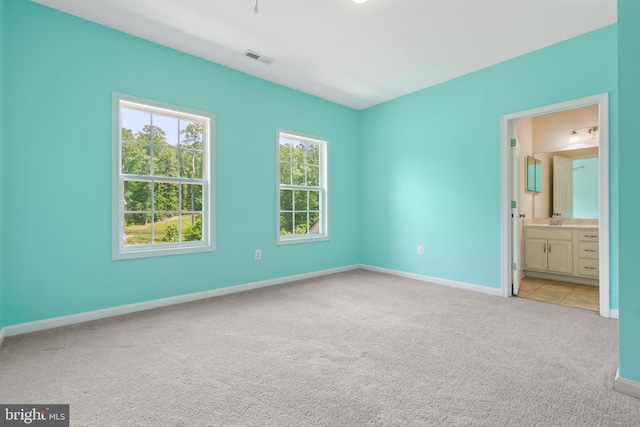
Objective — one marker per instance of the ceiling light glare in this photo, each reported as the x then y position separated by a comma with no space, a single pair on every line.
359,1
574,137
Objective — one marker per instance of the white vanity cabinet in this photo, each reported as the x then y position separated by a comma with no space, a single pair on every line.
562,253
549,250
588,252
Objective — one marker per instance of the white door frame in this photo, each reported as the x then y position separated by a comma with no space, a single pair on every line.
602,100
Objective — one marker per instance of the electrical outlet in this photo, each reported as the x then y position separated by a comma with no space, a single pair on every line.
258,254
420,250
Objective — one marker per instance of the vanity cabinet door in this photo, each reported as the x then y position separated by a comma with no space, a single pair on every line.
535,254
560,256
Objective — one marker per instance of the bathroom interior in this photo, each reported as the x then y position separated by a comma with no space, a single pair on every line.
559,207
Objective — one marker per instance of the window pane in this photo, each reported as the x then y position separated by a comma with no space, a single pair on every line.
301,200
313,154
191,197
286,200
301,225
314,223
166,230
137,229
285,173
137,196
133,122
191,227
135,159
298,175
155,134
313,176
166,129
165,161
297,152
162,181
314,200
165,198
301,169
307,147
191,164
191,134
286,223
285,150
127,135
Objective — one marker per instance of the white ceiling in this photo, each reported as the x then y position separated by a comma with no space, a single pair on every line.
357,55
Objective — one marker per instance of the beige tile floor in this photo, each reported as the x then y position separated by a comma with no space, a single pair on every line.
570,294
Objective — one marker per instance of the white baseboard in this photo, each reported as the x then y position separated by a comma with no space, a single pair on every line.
436,280
614,314
2,335
623,385
56,322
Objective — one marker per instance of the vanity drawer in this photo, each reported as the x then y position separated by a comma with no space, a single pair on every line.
588,250
588,267
548,233
588,235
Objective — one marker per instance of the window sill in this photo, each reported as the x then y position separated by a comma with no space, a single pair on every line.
305,239
132,253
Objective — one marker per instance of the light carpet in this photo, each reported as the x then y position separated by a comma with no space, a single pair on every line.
351,349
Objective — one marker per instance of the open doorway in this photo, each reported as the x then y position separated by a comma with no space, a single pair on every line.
556,203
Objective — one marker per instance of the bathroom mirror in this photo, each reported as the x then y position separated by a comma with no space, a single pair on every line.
569,184
534,174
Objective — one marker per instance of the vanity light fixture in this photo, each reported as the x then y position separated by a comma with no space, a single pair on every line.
359,1
574,136
593,132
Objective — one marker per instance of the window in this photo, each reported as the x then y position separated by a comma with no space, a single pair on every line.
163,199
302,188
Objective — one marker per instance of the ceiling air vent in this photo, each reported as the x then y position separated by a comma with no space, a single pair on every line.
258,57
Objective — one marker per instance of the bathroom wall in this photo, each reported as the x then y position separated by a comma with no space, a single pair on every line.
551,132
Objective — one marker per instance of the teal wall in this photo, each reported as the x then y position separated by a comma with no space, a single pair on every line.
585,180
2,298
629,71
423,169
62,72
432,159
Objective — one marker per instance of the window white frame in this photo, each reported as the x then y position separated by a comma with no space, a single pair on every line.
207,244
323,188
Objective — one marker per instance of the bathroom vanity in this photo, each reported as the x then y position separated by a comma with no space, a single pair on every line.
568,253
